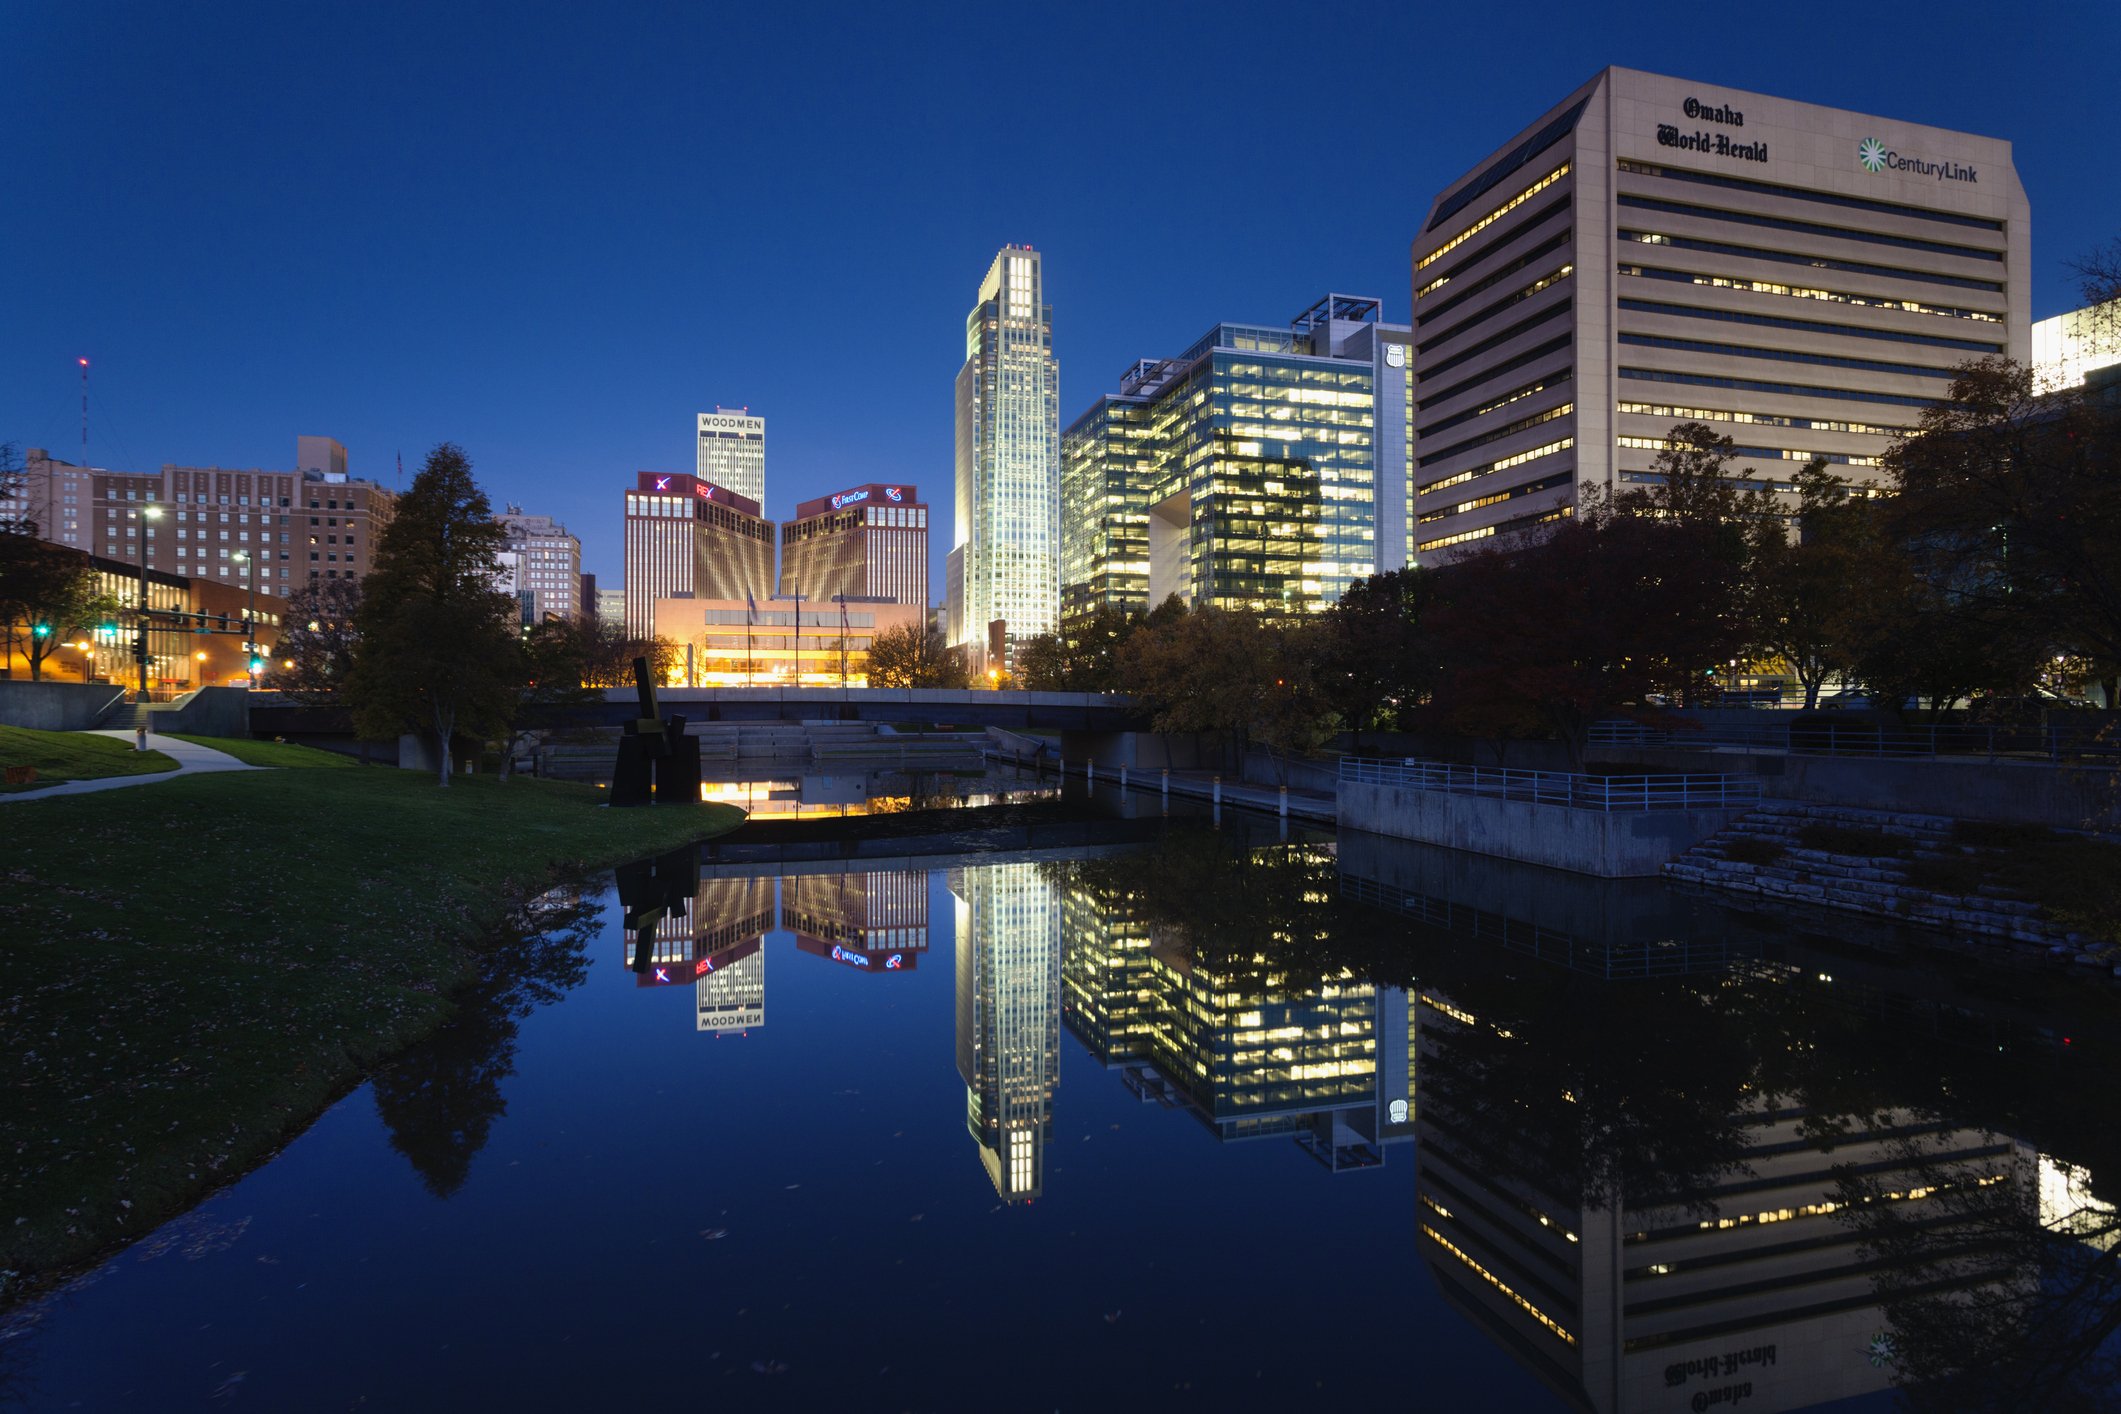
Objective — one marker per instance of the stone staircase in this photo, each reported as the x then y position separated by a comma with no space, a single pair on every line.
1875,884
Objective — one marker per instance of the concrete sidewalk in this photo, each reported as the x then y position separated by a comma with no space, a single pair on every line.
191,759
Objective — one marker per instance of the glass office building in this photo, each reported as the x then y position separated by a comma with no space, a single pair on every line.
1004,565
1265,468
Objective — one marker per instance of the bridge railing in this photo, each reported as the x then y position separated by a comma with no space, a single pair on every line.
1666,791
2088,742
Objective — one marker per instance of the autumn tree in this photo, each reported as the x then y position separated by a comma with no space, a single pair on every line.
317,638
1810,583
437,647
1225,673
914,655
1599,616
1082,657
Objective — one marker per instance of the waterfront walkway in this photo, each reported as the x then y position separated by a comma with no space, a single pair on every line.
191,758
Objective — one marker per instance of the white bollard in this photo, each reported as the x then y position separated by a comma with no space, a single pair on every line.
1218,792
1284,802
1089,770
1167,782
1123,778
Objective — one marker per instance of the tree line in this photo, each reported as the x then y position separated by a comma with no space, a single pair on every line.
1979,568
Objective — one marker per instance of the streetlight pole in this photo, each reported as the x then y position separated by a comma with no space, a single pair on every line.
149,513
250,622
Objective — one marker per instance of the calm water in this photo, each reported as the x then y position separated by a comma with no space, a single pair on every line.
1195,1121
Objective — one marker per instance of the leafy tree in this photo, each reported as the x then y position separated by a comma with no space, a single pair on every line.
607,652
1809,592
1082,657
913,655
2008,506
317,636
437,647
1228,673
1369,652
1601,616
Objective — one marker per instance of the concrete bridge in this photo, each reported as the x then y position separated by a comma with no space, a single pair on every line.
1033,711
1098,714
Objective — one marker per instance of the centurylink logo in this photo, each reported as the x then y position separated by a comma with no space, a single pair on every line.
1877,157
1871,153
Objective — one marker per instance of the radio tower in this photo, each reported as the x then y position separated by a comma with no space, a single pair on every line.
84,412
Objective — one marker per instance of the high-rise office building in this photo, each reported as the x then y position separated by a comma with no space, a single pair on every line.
730,920
548,563
1008,1018
1265,468
611,606
866,542
691,539
732,451
1654,250
1004,562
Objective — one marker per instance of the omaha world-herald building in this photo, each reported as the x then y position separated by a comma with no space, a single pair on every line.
1653,250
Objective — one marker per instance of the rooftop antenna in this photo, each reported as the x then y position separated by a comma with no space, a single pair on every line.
84,412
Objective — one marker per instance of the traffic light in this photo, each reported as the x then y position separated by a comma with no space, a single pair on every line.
41,630
257,665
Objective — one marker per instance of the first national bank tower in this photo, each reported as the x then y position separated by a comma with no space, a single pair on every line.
1655,250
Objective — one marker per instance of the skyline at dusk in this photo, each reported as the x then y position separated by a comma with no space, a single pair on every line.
556,242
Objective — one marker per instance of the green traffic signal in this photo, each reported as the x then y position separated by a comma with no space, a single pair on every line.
41,630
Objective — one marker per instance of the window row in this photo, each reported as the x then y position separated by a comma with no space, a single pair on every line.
1480,376
1473,473
1809,228
1496,276
1772,454
1652,341
1545,282
1808,326
1765,419
1493,216
1537,385
1544,483
1822,198
1499,338
1520,425
1815,262
1770,287
1793,390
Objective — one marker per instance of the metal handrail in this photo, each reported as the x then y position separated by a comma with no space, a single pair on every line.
1662,791
1816,738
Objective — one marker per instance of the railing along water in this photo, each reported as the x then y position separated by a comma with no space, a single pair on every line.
1668,791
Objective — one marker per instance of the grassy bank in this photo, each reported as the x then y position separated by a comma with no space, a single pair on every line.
194,968
269,753
74,756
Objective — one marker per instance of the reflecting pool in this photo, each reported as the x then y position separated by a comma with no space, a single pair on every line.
1163,1116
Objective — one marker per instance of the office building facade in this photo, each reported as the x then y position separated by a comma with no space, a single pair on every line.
1655,250
732,451
548,564
868,542
873,921
691,539
283,528
1265,468
2069,348
773,641
1004,563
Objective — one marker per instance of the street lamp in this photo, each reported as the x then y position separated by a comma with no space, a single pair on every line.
140,645
250,621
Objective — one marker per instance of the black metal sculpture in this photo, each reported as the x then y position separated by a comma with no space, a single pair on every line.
658,763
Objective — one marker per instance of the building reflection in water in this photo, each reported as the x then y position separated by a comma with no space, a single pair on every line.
1008,922
1734,1272
871,922
1229,1034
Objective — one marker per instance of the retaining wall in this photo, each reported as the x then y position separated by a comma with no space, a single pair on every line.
1612,845
59,706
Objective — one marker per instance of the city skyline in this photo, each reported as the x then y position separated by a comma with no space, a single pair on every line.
558,378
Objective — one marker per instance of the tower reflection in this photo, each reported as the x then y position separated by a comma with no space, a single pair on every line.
1008,1018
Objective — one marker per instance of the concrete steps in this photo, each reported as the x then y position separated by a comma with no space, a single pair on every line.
1876,884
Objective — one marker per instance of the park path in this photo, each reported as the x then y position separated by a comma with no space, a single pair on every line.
191,758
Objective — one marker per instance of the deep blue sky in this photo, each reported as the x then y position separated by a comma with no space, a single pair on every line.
554,233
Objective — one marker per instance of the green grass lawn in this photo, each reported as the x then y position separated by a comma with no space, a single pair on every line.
193,972
269,753
74,756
